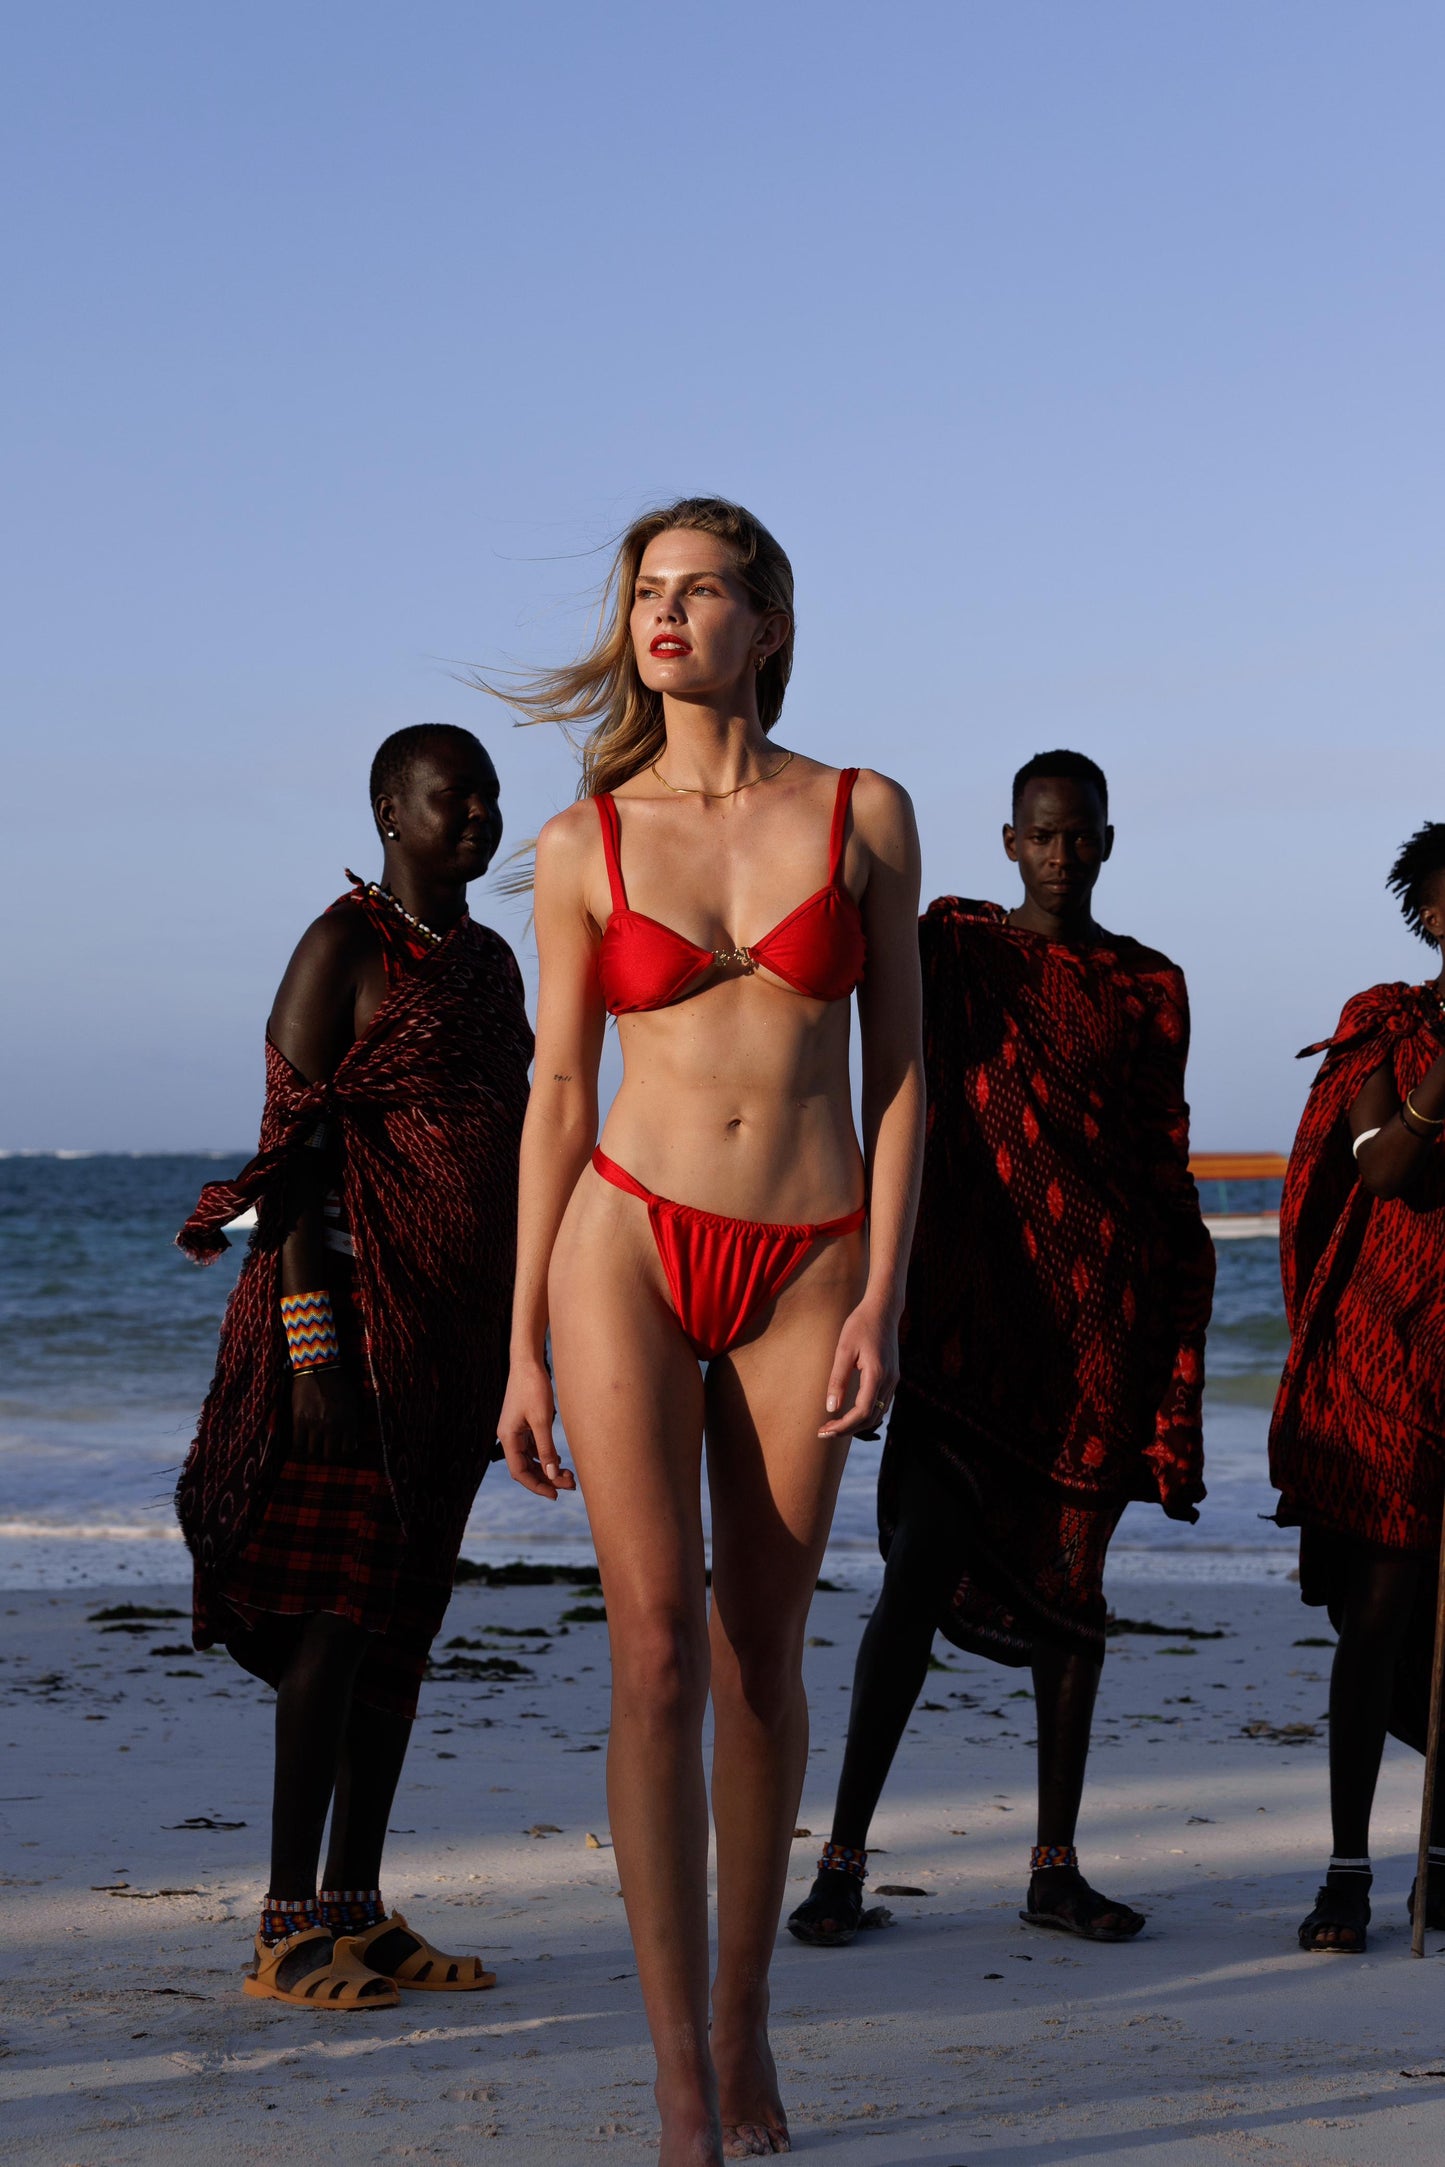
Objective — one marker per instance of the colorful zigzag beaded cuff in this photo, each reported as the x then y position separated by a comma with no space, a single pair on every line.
310,1331
1044,1855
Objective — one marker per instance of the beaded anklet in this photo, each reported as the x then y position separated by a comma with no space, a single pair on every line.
283,1916
1344,1871
351,1911
1045,1855
843,1858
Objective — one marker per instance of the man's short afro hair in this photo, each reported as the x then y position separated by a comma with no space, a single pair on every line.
396,754
1414,870
1067,766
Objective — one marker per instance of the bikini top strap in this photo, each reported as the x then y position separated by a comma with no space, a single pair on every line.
846,781
612,846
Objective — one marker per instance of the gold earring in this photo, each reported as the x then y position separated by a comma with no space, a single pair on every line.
760,661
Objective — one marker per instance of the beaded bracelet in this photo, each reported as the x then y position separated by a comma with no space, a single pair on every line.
310,1331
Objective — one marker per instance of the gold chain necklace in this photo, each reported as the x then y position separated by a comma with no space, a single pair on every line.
683,791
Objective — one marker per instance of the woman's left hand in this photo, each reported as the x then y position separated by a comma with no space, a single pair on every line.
867,1352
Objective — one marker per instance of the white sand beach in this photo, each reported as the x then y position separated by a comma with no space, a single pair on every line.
134,1781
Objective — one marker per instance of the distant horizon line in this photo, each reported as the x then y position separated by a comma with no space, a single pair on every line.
242,1151
115,1151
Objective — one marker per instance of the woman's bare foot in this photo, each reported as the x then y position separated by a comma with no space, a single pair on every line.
691,2136
754,2125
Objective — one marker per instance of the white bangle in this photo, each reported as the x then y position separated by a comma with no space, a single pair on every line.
1363,1138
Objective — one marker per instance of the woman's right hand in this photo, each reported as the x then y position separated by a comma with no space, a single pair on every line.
525,1431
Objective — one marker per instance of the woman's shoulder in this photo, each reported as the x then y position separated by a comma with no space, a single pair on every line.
575,821
869,791
340,936
876,793
486,941
566,839
498,960
883,817
333,954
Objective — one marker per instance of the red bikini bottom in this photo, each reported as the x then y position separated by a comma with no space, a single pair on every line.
721,1271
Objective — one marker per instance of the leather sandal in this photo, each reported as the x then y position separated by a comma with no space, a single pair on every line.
312,1970
400,1953
1338,1910
1078,1909
831,1913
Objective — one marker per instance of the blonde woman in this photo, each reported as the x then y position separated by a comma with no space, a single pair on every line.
727,1265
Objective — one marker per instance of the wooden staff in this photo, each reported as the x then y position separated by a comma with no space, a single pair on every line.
1432,1754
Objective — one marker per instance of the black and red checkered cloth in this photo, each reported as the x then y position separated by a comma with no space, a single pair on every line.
424,1116
329,1539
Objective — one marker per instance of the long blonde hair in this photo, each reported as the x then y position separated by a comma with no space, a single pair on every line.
603,693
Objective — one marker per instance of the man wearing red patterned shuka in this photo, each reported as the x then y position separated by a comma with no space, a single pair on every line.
363,1356
1357,1446
1053,1344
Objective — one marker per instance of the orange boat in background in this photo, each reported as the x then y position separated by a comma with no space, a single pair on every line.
1228,1216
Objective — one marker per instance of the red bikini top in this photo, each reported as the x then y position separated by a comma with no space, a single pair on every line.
818,949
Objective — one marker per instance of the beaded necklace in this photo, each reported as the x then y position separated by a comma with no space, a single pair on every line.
384,895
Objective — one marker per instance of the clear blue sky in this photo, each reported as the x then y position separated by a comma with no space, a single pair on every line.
1086,355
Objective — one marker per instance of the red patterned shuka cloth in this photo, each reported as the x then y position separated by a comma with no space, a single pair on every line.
423,1118
1357,1443
1061,1278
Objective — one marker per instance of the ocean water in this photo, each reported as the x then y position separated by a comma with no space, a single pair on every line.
108,1334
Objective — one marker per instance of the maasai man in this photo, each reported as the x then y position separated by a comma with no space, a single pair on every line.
363,1355
1053,1345
1357,1446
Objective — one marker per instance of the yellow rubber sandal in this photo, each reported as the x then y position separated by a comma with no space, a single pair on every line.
309,1970
399,1952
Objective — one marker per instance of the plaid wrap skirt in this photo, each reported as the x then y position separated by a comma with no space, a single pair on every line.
329,1539
1025,1562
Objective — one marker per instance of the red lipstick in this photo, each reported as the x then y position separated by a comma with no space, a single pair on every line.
668,644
